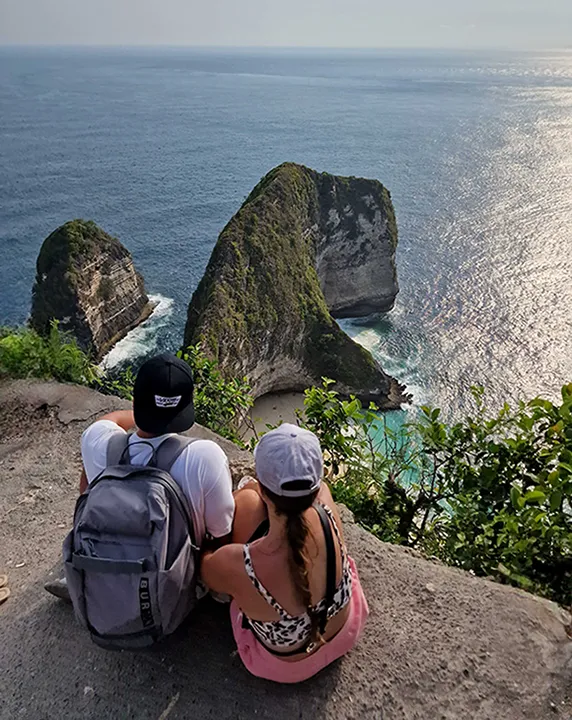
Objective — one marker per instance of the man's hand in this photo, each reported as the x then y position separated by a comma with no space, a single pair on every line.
83,482
210,544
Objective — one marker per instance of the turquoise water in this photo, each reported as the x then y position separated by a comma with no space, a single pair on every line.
161,147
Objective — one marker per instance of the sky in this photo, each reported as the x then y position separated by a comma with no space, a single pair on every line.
309,23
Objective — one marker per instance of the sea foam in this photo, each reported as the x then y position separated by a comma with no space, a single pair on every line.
143,339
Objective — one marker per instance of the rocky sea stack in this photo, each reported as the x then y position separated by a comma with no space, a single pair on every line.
304,248
86,280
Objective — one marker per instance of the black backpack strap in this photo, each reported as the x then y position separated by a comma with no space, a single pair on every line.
330,565
169,451
116,447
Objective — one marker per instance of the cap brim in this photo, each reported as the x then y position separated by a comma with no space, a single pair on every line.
178,423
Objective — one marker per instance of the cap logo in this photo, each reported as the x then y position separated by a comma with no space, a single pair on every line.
167,402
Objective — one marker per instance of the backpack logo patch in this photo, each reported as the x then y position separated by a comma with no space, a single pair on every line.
145,603
167,402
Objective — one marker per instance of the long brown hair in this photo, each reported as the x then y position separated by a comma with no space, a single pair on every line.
297,531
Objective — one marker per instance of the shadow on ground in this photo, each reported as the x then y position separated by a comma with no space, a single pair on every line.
55,671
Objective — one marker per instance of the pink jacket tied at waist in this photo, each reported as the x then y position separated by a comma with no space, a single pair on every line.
264,664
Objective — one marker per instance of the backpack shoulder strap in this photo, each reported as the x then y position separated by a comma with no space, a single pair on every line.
170,450
118,444
330,564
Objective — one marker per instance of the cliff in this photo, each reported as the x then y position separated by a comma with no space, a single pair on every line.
86,280
440,644
355,241
303,248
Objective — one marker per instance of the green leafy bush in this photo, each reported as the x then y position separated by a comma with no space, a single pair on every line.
24,353
507,479
491,493
220,404
367,462
112,382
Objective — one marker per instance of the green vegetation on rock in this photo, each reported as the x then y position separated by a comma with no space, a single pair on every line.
85,280
259,304
62,257
221,404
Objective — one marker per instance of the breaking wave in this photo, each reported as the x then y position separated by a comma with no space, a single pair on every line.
142,340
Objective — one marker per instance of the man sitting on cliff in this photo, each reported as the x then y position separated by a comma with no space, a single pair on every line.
163,406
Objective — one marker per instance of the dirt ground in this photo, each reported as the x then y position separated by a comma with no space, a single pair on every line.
440,644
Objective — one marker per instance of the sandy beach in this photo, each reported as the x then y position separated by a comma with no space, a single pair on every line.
275,408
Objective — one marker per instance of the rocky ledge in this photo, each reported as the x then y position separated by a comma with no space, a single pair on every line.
304,248
86,280
440,644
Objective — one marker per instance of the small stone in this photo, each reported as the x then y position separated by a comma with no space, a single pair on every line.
430,588
20,564
88,691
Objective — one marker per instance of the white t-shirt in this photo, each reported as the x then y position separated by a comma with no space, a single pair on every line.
201,471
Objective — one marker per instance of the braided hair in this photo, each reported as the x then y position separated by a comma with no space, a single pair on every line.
297,532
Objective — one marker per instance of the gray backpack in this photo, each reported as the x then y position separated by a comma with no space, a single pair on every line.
131,559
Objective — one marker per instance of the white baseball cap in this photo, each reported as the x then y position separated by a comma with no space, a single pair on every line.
289,454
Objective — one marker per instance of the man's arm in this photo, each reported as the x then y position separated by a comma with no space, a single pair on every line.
218,569
209,460
124,418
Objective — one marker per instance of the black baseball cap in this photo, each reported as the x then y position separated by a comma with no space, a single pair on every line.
163,396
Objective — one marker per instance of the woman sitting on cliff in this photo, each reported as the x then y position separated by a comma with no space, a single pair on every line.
297,601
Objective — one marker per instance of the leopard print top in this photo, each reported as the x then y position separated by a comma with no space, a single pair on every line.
293,630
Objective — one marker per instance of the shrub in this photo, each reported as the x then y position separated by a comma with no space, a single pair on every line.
220,404
491,493
508,483
24,353
115,382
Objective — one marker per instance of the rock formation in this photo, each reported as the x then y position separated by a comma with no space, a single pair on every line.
355,240
439,643
86,280
304,247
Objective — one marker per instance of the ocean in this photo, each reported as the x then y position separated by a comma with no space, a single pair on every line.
161,146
